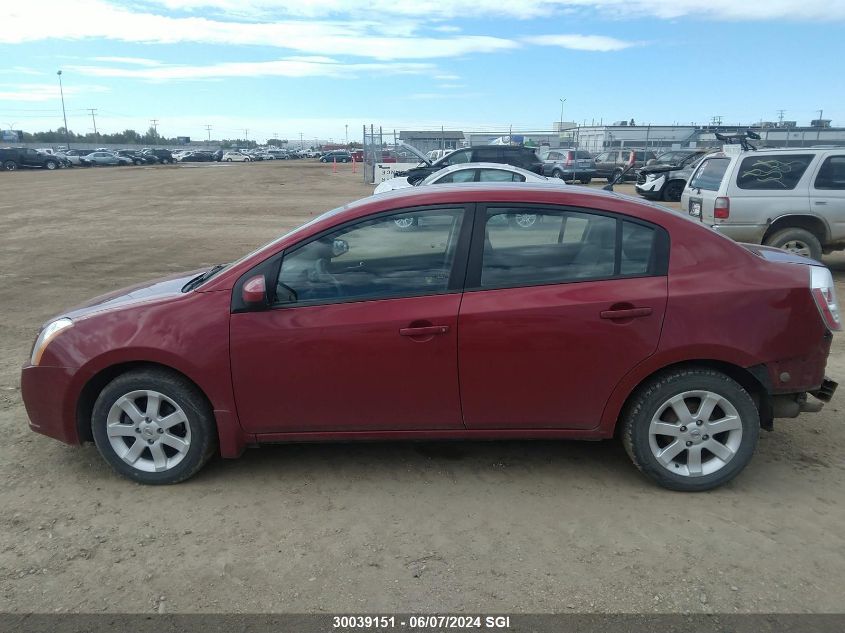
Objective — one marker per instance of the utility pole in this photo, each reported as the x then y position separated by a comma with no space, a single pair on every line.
780,117
300,140
64,114
246,135
208,129
154,124
93,111
716,120
347,134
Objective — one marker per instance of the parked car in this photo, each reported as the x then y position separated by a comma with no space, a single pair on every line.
469,173
136,157
792,199
666,177
515,155
99,159
587,327
338,155
611,164
235,157
278,154
164,156
74,155
64,161
13,158
570,164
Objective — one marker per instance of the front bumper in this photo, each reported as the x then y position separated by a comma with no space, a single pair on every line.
48,396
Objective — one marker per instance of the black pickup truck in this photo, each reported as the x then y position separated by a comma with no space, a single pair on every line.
12,158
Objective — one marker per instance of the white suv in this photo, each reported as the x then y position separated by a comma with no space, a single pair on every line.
792,199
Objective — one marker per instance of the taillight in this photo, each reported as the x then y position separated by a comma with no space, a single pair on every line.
824,293
568,159
722,208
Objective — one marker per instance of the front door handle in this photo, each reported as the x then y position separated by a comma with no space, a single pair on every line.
427,330
625,313
821,201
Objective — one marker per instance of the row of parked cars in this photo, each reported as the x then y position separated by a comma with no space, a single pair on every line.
13,158
791,199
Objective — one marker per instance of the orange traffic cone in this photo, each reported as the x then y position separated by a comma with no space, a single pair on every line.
334,165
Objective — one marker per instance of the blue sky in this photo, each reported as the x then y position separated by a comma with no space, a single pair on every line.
291,66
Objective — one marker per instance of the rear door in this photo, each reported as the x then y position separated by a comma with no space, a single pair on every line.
703,188
556,314
490,154
827,193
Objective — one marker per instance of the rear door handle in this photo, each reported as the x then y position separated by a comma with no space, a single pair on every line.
626,313
821,201
428,330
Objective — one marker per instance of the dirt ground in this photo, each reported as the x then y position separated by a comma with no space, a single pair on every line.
505,527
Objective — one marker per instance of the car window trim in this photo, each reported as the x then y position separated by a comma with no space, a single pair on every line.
271,267
658,264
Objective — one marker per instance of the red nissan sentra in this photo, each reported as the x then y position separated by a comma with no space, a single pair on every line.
497,311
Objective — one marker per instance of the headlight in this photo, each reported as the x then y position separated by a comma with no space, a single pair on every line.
50,331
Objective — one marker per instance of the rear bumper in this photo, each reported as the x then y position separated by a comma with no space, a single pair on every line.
48,398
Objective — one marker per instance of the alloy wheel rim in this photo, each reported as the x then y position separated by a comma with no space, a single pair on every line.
525,219
695,433
798,247
148,430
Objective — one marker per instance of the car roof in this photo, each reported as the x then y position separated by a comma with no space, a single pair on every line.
480,165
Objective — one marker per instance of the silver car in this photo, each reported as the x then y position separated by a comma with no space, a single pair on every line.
792,199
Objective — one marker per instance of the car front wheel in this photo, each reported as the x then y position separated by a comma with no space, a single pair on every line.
691,429
673,190
153,426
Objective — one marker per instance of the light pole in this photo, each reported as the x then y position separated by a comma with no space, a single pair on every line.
64,114
347,134
560,127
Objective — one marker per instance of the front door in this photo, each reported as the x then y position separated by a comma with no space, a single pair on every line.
827,195
362,333
555,315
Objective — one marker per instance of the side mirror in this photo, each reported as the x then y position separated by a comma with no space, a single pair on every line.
339,247
254,291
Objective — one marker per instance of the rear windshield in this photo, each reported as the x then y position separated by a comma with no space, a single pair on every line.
772,172
709,175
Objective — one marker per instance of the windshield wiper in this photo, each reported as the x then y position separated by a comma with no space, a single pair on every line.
208,274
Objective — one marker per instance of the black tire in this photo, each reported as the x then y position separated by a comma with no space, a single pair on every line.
673,190
586,181
653,395
139,162
787,238
203,431
557,173
51,165
10,165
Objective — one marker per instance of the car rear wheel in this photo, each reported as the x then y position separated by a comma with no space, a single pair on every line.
153,426
557,173
585,181
673,190
798,241
51,165
691,429
10,165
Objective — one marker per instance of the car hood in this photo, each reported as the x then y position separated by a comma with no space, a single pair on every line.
400,182
415,152
163,288
773,254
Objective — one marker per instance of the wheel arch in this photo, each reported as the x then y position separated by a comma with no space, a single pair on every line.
814,224
96,383
754,379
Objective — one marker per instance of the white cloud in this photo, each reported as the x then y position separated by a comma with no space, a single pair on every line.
43,92
794,10
578,42
447,77
134,61
288,67
59,19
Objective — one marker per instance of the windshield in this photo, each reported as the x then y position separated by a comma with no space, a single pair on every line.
710,173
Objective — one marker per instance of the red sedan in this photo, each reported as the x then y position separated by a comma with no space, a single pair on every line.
608,315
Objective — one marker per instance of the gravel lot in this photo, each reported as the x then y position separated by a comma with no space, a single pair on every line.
510,526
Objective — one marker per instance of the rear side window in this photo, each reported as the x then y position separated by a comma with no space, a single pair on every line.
831,174
537,247
499,175
454,159
710,173
486,155
581,154
772,172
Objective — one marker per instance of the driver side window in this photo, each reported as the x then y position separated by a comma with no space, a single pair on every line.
403,254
